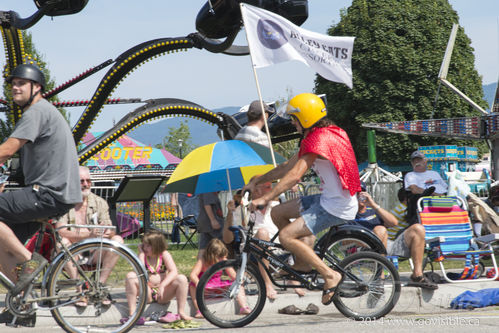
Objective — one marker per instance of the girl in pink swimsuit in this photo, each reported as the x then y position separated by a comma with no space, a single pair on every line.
215,252
164,281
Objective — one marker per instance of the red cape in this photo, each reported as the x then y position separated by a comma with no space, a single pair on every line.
333,143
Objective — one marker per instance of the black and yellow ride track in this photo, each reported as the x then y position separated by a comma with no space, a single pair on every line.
121,67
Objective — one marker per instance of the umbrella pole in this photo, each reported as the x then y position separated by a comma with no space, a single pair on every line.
227,170
228,181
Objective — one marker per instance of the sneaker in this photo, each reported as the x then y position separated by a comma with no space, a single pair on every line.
7,318
376,291
28,270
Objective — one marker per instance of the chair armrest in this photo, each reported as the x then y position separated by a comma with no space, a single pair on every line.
439,239
488,238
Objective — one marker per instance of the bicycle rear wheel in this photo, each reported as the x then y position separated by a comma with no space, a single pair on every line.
226,304
98,315
371,288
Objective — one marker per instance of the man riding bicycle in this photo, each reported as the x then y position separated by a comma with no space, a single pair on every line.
50,167
326,149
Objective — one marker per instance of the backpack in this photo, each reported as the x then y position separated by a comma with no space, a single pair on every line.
175,235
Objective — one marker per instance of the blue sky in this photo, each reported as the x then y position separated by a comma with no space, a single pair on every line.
104,29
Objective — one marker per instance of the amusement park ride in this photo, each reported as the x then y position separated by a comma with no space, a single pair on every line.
217,23
217,19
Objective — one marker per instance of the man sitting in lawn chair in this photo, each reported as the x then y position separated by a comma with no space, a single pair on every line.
92,211
409,242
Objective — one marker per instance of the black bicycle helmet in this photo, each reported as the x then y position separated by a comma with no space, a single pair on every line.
28,72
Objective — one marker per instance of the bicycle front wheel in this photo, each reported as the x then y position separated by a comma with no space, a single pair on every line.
101,286
370,288
226,303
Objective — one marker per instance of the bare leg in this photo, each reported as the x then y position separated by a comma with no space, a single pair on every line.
380,231
281,216
109,260
178,289
290,238
132,290
263,234
414,238
13,252
192,292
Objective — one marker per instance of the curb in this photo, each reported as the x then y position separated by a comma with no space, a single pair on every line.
413,300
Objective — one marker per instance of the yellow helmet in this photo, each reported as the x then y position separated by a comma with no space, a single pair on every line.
307,108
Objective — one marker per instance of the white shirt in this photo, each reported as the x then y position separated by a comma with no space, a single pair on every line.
334,199
426,179
252,134
265,221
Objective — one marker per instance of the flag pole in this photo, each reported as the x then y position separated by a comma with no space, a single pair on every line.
260,96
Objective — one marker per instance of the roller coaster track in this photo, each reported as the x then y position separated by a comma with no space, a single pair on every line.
13,45
126,63
121,67
153,109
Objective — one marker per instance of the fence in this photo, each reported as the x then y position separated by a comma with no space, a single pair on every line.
163,212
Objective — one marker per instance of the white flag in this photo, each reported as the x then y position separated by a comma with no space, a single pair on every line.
273,39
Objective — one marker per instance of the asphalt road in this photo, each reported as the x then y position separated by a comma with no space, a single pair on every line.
417,310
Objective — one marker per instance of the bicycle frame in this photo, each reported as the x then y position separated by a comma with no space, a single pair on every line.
261,249
66,251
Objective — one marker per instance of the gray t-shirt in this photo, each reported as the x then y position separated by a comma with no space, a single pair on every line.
211,199
49,158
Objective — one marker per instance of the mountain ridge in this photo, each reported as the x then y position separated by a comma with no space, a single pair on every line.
203,133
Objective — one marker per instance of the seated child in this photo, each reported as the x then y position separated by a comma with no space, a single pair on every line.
215,252
164,281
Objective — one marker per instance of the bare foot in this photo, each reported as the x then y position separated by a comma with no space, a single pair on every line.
184,316
329,285
245,310
299,291
198,315
271,293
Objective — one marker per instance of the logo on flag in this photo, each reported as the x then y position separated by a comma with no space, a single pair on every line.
270,34
273,39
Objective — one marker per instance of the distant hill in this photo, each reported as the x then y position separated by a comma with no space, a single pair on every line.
202,133
489,91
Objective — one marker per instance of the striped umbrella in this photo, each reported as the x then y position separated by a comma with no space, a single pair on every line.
220,166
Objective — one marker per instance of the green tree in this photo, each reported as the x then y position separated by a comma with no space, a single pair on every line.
178,141
398,50
6,126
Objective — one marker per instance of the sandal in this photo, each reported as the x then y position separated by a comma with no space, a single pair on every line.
141,321
422,282
331,290
290,310
198,314
169,318
312,309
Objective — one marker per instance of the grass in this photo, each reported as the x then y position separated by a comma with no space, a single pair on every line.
184,258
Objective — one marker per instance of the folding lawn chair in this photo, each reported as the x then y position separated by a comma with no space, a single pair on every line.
188,226
449,236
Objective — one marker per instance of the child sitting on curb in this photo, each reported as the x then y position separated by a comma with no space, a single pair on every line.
164,281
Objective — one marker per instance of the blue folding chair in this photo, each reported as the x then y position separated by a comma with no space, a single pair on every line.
449,236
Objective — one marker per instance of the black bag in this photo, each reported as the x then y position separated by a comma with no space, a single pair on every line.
175,235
